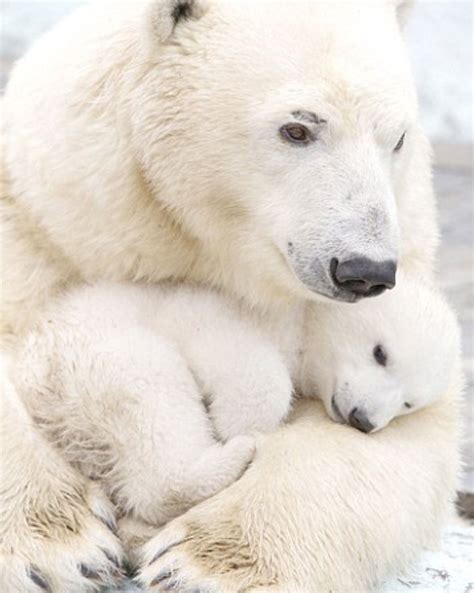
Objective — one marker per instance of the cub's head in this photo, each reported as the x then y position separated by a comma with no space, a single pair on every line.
276,132
374,361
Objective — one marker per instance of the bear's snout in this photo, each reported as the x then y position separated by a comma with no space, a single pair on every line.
363,277
358,419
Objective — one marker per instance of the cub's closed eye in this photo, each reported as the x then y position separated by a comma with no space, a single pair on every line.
407,405
380,355
400,143
296,134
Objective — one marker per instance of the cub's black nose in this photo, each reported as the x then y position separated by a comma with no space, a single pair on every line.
362,276
358,419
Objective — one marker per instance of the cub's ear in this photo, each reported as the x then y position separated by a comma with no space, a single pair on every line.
166,15
403,9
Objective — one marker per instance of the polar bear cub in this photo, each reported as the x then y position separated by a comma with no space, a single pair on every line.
157,390
381,358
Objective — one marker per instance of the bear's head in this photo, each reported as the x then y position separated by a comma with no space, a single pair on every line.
276,133
377,360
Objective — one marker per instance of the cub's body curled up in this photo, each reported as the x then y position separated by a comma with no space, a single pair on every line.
159,391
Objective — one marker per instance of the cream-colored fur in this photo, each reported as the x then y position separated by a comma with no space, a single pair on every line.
188,178
345,530
140,150
126,379
51,516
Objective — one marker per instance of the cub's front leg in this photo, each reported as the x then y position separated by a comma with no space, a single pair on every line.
242,375
56,528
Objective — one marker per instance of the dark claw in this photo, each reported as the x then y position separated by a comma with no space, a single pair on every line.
170,585
162,576
131,571
89,573
112,558
109,523
119,574
38,579
175,585
163,551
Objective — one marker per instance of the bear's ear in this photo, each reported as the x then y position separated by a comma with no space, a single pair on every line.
166,15
403,9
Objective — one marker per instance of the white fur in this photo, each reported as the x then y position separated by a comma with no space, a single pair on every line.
136,150
419,335
121,373
156,142
49,512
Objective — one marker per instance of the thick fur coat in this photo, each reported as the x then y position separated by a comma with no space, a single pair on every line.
149,142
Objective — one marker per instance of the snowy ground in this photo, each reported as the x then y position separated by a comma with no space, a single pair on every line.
449,570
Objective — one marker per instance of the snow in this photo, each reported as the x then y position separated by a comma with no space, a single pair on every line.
447,570
440,43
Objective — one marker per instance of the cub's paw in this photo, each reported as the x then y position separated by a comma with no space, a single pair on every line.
67,546
203,551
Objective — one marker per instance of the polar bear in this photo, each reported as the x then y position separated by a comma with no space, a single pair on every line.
192,356
176,140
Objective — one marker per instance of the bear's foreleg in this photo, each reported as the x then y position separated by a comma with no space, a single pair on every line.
323,508
56,527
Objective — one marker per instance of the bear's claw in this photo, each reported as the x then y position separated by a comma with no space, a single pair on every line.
80,563
38,579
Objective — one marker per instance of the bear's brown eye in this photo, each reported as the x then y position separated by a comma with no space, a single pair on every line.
400,142
407,405
296,134
380,355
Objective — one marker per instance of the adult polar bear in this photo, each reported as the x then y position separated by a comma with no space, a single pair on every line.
255,147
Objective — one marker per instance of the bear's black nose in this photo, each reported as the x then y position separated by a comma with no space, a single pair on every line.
362,276
358,419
